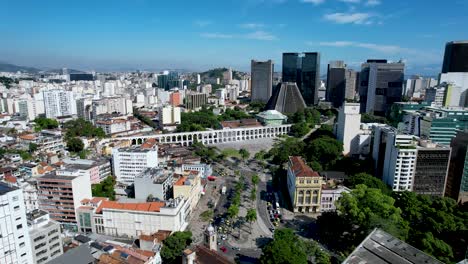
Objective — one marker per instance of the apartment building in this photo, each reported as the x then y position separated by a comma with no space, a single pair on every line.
44,234
154,183
15,246
60,195
129,162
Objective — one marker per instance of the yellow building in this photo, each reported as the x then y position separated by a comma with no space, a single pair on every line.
304,185
189,186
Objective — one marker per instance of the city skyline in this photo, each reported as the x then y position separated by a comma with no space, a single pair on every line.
196,35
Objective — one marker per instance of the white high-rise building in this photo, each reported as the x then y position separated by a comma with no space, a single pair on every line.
59,102
129,162
198,79
348,128
15,246
395,156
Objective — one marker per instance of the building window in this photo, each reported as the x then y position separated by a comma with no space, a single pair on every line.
15,198
16,208
21,244
19,226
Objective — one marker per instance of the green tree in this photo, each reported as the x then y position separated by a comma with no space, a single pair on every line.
82,128
367,208
437,225
315,166
285,248
282,149
75,144
255,179
32,147
299,130
260,155
174,245
45,123
244,153
253,194
251,217
368,180
233,211
105,188
325,150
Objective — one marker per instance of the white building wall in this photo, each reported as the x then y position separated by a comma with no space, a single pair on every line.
349,121
81,187
15,246
459,81
128,164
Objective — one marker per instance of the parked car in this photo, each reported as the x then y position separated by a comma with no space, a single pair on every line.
223,249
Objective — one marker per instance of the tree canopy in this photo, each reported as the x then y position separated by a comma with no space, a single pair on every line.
358,213
368,180
82,128
438,226
75,144
282,149
286,247
45,123
299,129
324,150
244,153
104,188
198,121
233,114
174,245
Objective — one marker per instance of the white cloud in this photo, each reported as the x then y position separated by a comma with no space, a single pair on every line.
349,18
260,35
256,35
203,23
216,35
315,2
373,2
252,25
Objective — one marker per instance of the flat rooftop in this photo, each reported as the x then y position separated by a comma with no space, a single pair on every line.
6,188
53,176
380,247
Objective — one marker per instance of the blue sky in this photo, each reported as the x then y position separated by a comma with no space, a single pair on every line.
198,35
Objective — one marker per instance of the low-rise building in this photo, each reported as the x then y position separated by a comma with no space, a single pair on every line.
271,118
189,187
120,219
114,126
304,185
205,169
44,234
330,195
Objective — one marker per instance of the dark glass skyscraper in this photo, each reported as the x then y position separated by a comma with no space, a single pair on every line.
456,57
336,83
291,67
304,70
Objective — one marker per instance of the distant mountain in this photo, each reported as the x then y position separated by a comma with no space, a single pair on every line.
6,67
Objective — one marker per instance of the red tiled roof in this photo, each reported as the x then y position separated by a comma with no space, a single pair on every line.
145,207
180,181
300,168
11,179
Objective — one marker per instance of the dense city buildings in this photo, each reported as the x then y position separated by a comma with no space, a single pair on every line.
15,246
381,85
195,100
262,80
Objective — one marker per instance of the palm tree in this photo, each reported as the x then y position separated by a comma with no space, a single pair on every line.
251,217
